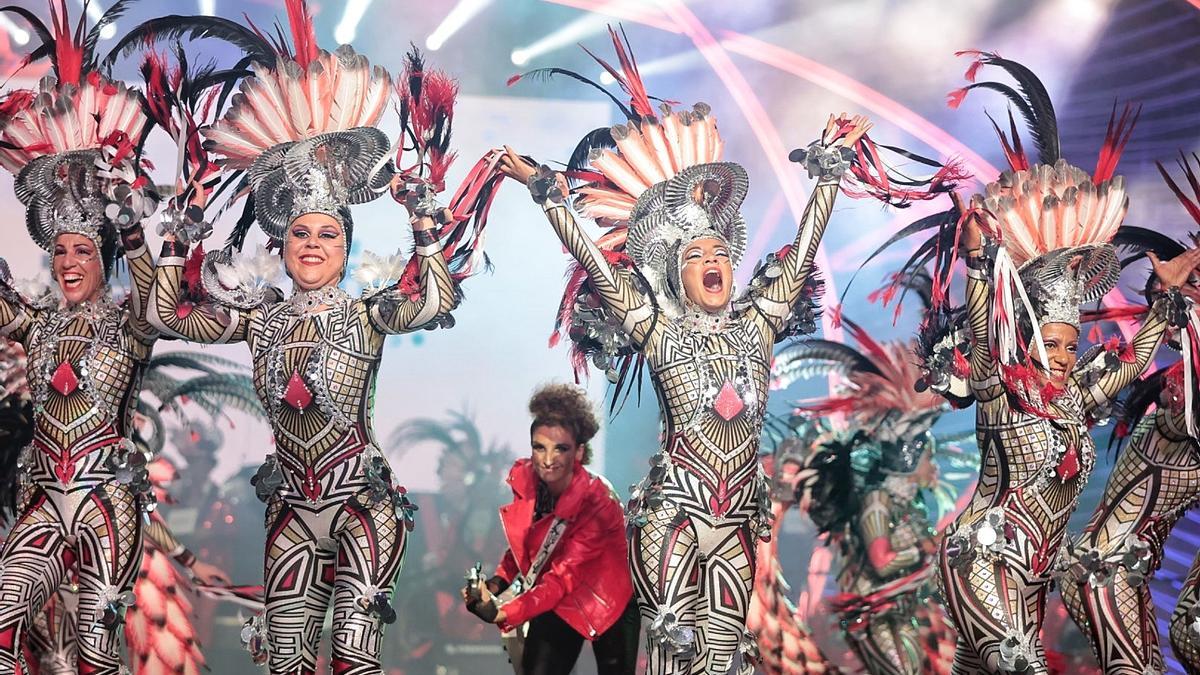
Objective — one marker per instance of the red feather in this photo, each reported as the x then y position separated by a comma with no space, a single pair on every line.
68,48
304,35
628,77
1191,205
1115,139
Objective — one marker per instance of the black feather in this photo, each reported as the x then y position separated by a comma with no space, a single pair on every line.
115,12
1044,124
237,237
176,27
827,350
596,138
937,220
546,74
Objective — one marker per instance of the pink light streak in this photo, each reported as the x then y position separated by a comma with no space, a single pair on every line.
853,90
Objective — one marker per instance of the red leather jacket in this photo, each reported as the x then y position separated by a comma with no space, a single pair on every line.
586,581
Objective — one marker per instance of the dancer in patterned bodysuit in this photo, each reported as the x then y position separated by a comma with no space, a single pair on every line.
696,517
336,524
1185,621
1157,477
75,145
1032,404
1106,570
864,486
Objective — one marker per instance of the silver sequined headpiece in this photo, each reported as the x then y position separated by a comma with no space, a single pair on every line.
667,217
1058,288
63,193
323,174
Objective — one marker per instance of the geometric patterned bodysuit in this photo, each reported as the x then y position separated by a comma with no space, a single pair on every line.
335,524
995,561
85,368
695,519
882,630
1104,586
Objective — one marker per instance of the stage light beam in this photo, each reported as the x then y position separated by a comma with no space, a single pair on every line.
458,17
19,35
347,28
208,7
94,12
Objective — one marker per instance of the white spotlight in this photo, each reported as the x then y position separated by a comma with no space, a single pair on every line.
606,78
458,17
347,28
94,12
571,33
208,7
19,35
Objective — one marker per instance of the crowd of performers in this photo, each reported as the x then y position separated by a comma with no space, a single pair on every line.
690,567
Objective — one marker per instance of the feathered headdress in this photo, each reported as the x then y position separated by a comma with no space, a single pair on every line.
75,141
1054,221
879,391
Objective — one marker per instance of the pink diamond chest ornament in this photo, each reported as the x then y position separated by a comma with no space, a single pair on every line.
728,403
297,394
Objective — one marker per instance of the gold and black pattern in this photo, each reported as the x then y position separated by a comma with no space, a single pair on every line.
1032,468
1156,477
315,374
693,560
1185,621
888,641
86,364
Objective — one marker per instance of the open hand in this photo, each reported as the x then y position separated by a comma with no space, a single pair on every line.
515,166
859,125
1176,271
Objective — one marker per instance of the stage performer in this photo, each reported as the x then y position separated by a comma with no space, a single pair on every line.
1106,571
1052,223
564,578
865,485
657,288
74,144
336,523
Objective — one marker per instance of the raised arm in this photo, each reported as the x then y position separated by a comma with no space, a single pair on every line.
197,323
615,286
393,312
15,316
781,294
874,527
1167,307
1145,345
141,280
985,375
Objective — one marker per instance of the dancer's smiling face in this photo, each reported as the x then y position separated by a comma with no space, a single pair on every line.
77,268
555,454
706,270
315,251
1061,341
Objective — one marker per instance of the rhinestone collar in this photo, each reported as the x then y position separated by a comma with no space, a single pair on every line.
304,302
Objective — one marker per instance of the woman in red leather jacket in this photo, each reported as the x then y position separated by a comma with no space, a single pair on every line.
571,519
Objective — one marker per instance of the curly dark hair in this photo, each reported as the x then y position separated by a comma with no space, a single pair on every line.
566,406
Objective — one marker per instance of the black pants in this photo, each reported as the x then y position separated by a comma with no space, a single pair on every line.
552,647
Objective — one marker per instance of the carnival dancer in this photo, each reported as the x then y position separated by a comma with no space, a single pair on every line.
74,144
657,289
336,523
1106,571
864,486
564,578
1052,223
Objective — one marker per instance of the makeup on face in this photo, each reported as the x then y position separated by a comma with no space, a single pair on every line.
707,273
554,454
315,251
77,268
